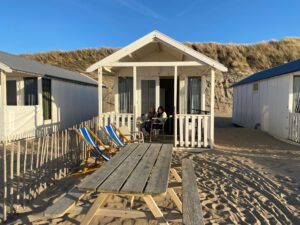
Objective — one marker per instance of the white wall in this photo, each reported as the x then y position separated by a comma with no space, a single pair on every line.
73,103
268,107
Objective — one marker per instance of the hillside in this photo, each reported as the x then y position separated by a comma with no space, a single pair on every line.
241,60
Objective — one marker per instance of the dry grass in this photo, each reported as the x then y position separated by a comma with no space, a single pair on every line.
241,60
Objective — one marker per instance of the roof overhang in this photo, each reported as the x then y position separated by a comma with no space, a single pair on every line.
156,36
5,68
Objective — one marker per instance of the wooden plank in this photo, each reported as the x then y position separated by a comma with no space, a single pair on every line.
158,181
65,203
139,177
4,182
187,130
97,204
92,181
159,216
193,132
199,131
116,180
192,212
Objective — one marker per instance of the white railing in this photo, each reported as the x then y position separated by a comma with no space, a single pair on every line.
294,127
192,131
119,119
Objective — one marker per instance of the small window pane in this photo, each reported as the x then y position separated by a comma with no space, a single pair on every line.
11,92
296,95
31,95
125,89
255,87
47,102
194,95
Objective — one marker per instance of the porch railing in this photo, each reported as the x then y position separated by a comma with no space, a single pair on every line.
119,119
192,131
294,127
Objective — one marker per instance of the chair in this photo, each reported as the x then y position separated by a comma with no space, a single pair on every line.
95,146
122,136
157,124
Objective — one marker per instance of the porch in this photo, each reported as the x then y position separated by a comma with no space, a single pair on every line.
158,71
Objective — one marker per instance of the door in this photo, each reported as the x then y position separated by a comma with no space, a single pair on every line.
148,94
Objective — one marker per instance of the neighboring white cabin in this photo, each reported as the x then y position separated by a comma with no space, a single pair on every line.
38,97
270,104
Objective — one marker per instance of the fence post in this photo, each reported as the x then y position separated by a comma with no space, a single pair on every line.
4,182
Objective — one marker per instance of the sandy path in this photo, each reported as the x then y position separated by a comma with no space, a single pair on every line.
251,178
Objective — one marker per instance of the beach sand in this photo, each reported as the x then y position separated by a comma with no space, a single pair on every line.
250,178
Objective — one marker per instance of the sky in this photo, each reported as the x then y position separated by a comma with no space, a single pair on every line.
30,26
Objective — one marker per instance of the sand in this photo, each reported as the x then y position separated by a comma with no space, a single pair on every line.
251,178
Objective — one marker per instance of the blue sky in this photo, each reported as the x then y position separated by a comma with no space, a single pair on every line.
28,26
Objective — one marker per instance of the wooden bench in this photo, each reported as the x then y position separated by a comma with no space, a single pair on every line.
191,207
62,205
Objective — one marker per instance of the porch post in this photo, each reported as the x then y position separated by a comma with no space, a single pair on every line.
3,88
203,87
212,107
175,104
100,102
134,98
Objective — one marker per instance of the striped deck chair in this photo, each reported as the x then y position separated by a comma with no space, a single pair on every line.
122,136
94,144
115,137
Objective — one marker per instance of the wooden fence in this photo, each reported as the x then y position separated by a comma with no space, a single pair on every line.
294,127
32,164
192,131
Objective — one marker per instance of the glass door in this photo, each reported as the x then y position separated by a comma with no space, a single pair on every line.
148,95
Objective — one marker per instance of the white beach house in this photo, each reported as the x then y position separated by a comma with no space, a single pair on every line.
36,96
157,70
270,100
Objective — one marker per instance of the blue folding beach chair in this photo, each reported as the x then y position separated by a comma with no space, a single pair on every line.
115,137
94,144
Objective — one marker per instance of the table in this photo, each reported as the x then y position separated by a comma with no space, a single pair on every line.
138,170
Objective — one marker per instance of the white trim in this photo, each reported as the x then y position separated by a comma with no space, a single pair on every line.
212,107
100,94
5,68
152,37
175,104
3,78
152,64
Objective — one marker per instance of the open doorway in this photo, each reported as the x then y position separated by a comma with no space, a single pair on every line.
167,101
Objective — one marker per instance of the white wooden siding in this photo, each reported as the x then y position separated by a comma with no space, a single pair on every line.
267,107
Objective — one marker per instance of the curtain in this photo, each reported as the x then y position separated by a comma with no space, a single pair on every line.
194,95
31,96
47,102
125,87
296,104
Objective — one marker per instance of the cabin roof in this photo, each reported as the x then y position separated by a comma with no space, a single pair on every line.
10,62
152,37
272,72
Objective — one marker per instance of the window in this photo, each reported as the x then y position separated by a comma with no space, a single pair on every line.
296,95
255,87
47,102
125,90
148,95
11,92
31,93
194,95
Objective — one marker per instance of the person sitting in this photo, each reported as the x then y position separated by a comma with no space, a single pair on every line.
161,117
146,125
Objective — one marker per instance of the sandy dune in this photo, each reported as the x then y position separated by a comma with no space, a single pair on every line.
251,178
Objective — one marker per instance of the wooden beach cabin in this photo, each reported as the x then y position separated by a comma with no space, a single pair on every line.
270,100
157,70
37,97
